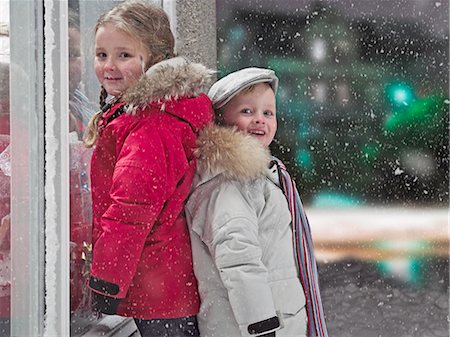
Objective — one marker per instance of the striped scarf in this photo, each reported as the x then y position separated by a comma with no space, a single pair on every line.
304,253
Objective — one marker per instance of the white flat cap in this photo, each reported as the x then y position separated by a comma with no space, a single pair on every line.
229,86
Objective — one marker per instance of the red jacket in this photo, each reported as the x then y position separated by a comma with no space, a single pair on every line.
141,173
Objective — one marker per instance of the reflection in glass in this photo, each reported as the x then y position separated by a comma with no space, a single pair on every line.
5,258
80,111
5,181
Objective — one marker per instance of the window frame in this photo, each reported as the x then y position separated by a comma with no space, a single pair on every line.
27,166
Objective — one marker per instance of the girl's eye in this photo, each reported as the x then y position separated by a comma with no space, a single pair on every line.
268,113
124,55
101,55
246,111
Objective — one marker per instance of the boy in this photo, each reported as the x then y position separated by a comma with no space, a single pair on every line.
241,227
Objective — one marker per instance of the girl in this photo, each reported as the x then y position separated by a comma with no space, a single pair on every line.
253,281
142,169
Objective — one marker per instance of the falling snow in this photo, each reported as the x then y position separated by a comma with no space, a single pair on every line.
363,120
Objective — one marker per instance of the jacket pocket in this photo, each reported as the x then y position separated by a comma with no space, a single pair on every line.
288,296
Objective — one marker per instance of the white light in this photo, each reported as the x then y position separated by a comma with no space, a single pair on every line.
319,50
400,95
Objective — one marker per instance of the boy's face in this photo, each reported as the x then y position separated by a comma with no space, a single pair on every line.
253,112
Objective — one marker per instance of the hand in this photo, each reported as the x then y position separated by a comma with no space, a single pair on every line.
271,324
105,304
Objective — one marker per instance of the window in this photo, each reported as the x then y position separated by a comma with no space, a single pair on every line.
45,209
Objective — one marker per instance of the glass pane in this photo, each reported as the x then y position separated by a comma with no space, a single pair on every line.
5,174
84,91
80,111
363,127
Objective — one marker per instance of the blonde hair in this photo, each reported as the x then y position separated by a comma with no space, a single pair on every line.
148,24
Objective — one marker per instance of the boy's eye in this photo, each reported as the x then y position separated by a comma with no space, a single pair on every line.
101,55
246,111
269,113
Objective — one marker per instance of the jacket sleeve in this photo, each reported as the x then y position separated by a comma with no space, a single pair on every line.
144,176
231,234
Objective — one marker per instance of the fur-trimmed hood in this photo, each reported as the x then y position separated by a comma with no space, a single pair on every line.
168,79
227,151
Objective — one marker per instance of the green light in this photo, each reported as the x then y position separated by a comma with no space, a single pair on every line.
403,268
400,94
335,199
304,158
370,151
419,114
236,34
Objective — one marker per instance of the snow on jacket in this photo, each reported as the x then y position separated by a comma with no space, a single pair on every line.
141,173
241,235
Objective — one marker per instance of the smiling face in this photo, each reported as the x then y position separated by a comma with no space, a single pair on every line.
119,59
254,112
74,59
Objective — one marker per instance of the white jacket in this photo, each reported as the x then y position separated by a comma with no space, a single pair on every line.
242,243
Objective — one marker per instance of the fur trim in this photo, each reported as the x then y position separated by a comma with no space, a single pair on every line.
172,78
231,152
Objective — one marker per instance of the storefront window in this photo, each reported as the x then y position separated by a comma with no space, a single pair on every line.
45,208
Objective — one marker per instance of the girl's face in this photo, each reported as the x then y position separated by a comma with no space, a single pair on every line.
253,112
119,59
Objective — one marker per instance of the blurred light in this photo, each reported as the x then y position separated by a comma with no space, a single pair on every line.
333,199
403,269
370,151
419,113
419,162
236,34
319,92
342,93
318,49
400,94
303,158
